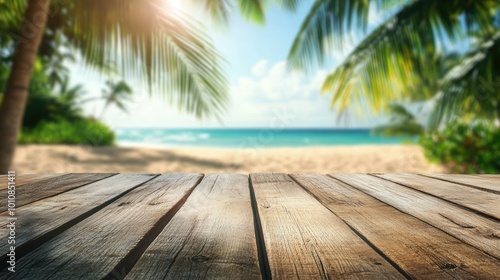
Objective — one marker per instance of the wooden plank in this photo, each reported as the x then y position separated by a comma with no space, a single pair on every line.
22,180
38,190
211,237
108,243
418,248
480,201
303,239
478,231
486,182
42,220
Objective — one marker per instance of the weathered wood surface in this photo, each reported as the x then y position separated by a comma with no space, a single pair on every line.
121,232
42,220
303,239
21,180
478,200
212,234
479,231
230,226
51,186
486,182
438,254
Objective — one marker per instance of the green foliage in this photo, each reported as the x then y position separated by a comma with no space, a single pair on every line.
117,93
56,118
394,61
81,132
159,46
42,104
402,123
465,148
47,108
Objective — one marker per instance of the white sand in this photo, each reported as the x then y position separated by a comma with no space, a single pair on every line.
347,159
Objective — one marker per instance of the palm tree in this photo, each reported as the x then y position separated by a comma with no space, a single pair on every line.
165,48
402,123
70,95
116,93
391,63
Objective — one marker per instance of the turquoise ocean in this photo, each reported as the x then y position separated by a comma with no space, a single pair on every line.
251,137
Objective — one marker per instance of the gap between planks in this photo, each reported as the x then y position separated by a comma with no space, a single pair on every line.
160,197
487,183
52,186
467,226
478,201
426,250
77,205
304,239
211,234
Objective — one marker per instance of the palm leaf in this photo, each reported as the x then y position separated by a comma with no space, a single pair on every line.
402,122
151,42
252,10
392,60
326,26
473,86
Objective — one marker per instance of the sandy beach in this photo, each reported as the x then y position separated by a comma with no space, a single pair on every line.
346,159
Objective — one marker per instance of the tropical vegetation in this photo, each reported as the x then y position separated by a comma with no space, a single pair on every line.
165,49
402,123
441,53
55,117
465,147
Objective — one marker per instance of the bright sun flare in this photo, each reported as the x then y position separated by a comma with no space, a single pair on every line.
176,4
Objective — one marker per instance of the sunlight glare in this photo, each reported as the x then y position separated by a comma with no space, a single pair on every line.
179,5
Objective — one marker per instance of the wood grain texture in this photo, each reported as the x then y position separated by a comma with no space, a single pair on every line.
42,220
22,180
484,202
211,237
48,187
305,240
419,249
486,182
106,243
478,231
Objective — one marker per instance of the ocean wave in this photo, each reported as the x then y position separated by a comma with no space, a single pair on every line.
180,137
204,136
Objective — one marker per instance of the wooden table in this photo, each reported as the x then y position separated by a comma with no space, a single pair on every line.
234,226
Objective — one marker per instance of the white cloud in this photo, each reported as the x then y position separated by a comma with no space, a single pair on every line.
260,68
256,100
277,98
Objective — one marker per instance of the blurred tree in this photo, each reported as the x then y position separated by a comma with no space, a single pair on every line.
149,40
116,93
402,123
391,64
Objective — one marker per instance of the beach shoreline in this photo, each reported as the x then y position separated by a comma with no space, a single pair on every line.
405,158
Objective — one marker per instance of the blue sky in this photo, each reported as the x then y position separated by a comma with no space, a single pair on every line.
262,91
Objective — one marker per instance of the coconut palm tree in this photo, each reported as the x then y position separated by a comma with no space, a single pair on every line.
391,64
402,123
116,93
149,40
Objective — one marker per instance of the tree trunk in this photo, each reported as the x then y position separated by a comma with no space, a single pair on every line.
16,90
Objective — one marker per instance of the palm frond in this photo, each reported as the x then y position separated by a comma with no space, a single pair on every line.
252,10
219,11
326,25
393,59
473,86
402,123
291,5
150,42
